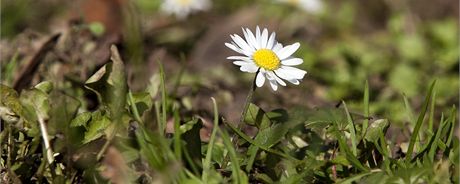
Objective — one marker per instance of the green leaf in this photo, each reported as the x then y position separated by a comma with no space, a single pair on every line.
36,103
341,159
143,102
188,125
256,116
96,128
266,138
45,86
373,132
96,82
81,119
10,100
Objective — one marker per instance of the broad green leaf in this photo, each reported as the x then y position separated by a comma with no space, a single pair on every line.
96,127
266,138
341,159
256,116
373,132
35,103
117,86
81,119
45,86
143,102
188,125
10,102
154,85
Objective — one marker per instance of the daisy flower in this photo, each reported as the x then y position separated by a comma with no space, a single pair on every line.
181,8
263,55
313,6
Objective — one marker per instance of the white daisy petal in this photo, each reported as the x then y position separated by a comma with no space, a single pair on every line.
258,42
271,41
234,48
260,79
284,75
240,63
241,43
295,73
277,79
250,67
287,51
240,58
277,47
292,61
264,38
252,39
248,39
273,85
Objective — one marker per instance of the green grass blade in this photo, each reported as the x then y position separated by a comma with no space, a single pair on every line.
452,119
366,109
162,124
236,174
409,111
133,107
350,157
351,127
177,135
431,115
435,144
357,177
419,123
207,160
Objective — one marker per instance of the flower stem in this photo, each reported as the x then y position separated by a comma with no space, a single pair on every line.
241,122
248,101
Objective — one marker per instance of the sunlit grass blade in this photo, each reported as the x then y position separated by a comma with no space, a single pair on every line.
212,139
434,145
419,123
357,177
236,174
162,123
177,135
453,121
366,109
351,128
350,157
133,107
431,115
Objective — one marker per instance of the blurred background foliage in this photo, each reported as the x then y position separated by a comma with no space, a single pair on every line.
399,46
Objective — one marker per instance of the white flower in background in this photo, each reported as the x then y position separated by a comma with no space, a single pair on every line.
181,8
267,57
312,6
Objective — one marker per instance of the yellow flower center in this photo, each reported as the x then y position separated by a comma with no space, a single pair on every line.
267,59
